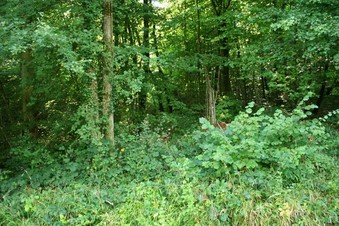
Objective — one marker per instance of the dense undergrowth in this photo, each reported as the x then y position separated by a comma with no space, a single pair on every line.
278,169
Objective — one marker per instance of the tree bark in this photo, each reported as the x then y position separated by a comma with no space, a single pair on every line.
210,100
106,74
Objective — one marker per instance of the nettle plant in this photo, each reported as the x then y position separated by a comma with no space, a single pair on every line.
285,142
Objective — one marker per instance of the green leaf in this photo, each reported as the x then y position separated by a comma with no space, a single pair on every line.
260,111
251,104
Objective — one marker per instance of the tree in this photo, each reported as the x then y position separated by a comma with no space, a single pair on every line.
107,69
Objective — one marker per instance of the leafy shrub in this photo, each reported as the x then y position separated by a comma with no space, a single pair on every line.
135,157
27,154
286,143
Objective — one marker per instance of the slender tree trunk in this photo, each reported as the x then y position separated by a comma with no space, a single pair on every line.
155,41
146,44
322,92
219,7
146,34
225,80
210,100
107,68
197,5
6,106
200,78
27,72
210,92
185,26
94,111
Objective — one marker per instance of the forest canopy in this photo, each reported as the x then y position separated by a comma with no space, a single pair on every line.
169,112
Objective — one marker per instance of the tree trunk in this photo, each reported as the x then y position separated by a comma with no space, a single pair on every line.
146,36
145,63
94,112
27,72
220,7
225,80
107,68
210,100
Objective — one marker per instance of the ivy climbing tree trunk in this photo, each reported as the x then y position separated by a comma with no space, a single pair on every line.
106,73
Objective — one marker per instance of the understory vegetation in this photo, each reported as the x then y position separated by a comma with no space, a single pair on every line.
277,169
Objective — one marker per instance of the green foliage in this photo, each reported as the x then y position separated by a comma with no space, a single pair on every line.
76,206
227,108
150,182
134,157
270,166
147,204
173,202
254,141
27,154
143,160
